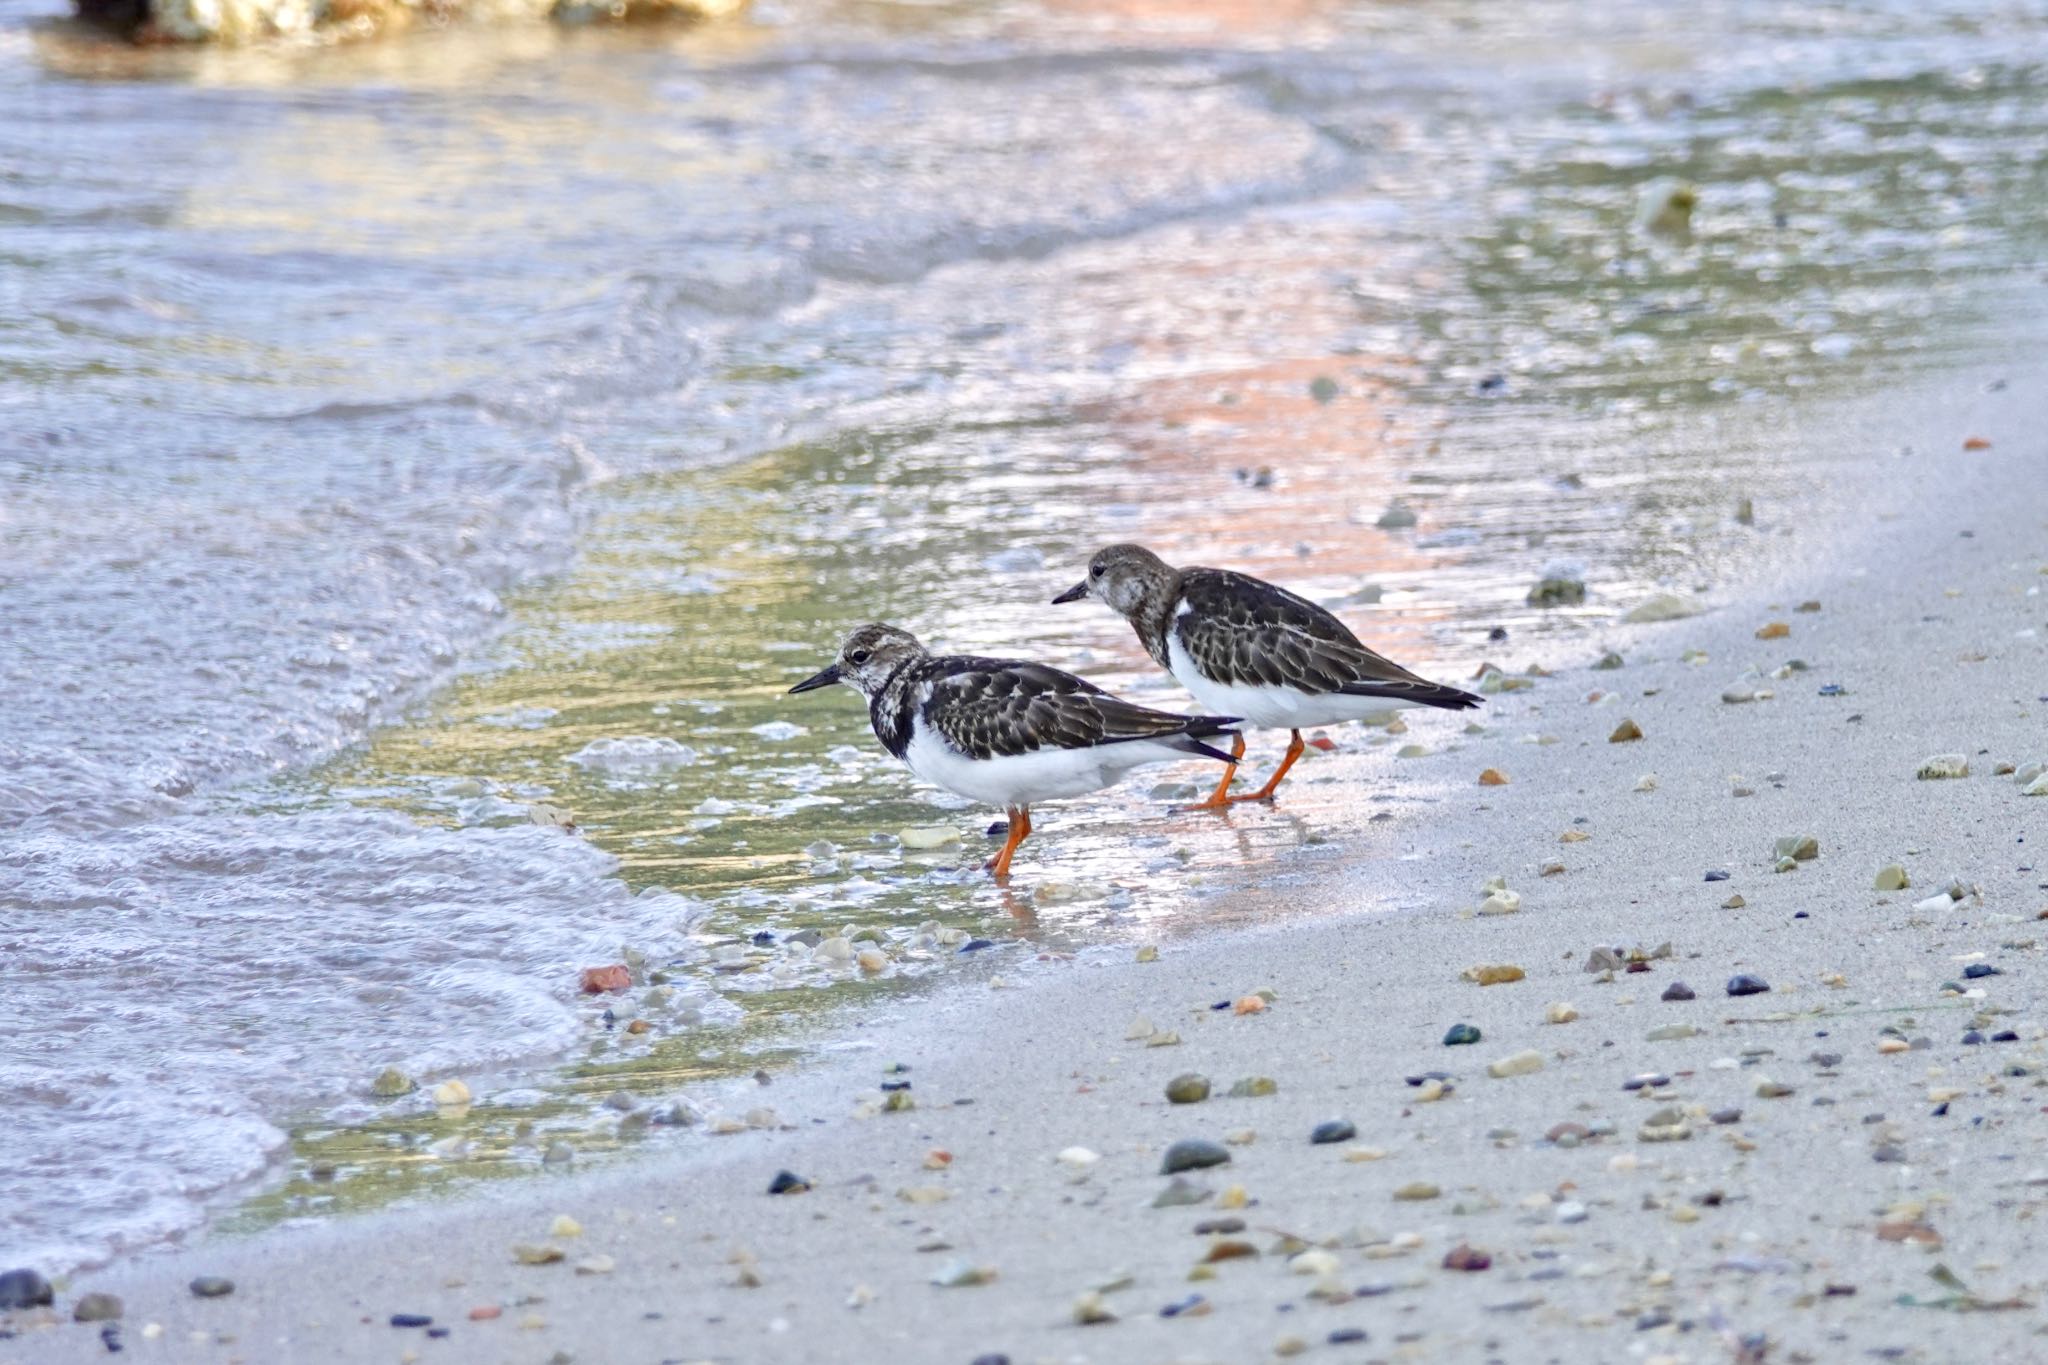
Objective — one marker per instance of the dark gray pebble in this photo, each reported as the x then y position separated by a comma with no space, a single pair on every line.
1192,1154
411,1320
1888,1153
24,1289
1649,1080
975,945
1725,1116
992,1358
1345,1335
2005,1035
1826,1060
1717,876
1209,1226
96,1308
1172,1310
1745,984
788,1182
1678,990
1428,1076
1460,1035
1334,1130
437,1333
1971,1038
1977,971
212,1287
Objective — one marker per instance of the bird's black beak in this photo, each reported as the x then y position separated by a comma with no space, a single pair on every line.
824,677
1073,594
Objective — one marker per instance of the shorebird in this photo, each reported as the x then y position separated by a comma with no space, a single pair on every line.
1245,646
1003,731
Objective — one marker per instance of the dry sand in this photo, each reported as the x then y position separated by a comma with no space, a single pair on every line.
1762,1237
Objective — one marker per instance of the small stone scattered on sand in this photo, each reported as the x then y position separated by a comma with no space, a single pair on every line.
1626,731
1745,984
1516,1064
1773,630
1459,1035
411,1320
1799,847
94,1307
1939,766
391,1083
527,1253
1678,990
1187,1088
24,1288
1333,1130
1493,777
1663,606
1463,1257
211,1287
1560,1012
788,1182
604,980
1416,1190
1091,1309
1193,1154
1254,1087
1892,877
927,836
1493,974
961,1274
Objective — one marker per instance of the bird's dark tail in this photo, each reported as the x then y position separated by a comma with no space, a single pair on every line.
1189,740
1418,694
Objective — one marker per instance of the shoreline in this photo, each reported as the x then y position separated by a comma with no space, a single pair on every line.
1363,1001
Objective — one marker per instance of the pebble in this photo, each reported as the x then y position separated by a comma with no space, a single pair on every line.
1560,1012
411,1320
1734,903
2038,787
1571,1211
1799,847
1460,1035
25,1288
1768,1089
1416,1190
872,960
788,1182
1977,971
1193,1154
928,836
1626,731
1892,877
1254,1087
558,1154
1891,1045
1179,1193
211,1287
1773,630
1493,777
526,1253
1493,974
960,1275
1398,516
1187,1088
1671,1033
1745,984
1938,766
1662,606
1080,1158
1736,696
1647,782
486,1312
1333,1130
451,1093
604,980
1091,1309
596,1265
391,1083
1678,990
92,1307
1463,1257
1725,1116
1647,1080
1516,1064
565,1226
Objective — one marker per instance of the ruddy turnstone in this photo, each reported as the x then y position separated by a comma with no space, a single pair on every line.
1004,731
1255,650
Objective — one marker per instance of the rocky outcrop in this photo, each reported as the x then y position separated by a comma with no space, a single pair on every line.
248,21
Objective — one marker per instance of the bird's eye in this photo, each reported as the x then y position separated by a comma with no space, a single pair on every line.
859,656
1095,571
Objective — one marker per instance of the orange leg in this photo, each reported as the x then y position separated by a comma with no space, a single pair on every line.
1217,800
1020,830
1295,747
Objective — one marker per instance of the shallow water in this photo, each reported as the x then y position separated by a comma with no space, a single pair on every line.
388,426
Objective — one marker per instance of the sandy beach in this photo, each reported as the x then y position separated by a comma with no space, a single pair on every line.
1831,1168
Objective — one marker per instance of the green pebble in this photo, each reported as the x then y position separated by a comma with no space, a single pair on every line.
1188,1088
1460,1035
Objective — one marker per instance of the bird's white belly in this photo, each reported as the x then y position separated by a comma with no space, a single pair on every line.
1270,708
1023,779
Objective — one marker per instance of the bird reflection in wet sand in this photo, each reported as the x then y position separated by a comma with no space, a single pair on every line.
1005,731
1254,649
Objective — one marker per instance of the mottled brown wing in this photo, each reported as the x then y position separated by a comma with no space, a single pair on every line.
990,707
1242,631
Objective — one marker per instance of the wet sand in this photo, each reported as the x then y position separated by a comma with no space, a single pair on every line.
1886,1200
